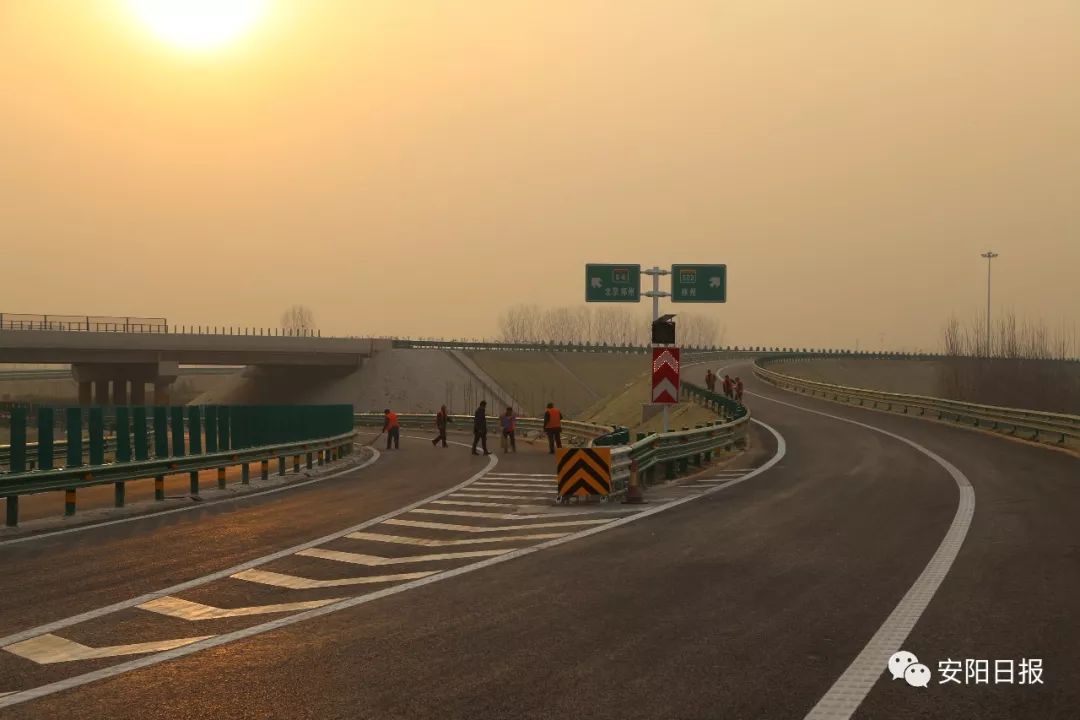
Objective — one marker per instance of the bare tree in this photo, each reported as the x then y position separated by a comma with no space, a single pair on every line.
298,319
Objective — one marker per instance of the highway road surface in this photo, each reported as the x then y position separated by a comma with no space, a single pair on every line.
436,584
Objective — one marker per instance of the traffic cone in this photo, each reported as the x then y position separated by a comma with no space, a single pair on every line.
633,489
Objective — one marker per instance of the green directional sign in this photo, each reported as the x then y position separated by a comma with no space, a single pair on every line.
612,283
699,283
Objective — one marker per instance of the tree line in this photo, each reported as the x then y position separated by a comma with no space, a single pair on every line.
525,323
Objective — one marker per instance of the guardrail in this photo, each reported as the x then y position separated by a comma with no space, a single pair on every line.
576,432
1050,428
234,435
65,374
676,453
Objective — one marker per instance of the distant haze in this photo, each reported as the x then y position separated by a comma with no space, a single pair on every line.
412,167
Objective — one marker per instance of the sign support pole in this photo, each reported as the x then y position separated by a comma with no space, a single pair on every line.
656,294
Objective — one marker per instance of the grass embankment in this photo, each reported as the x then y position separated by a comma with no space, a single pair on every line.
624,408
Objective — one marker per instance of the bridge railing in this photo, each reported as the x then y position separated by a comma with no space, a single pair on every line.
1052,428
177,443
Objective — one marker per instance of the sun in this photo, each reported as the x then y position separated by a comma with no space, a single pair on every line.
198,25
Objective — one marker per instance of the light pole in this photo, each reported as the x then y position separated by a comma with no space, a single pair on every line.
989,255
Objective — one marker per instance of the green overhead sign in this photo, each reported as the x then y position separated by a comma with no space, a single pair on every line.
699,283
612,283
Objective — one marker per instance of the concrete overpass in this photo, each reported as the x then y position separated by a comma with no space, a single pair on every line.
104,361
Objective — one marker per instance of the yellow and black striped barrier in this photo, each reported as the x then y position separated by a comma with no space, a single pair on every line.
583,471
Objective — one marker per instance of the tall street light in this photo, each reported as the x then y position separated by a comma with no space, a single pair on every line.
989,255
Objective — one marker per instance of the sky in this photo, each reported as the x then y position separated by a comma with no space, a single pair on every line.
412,168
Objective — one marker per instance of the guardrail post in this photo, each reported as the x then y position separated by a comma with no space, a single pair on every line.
12,503
161,432
322,457
193,482
281,465
45,430
245,473
18,446
223,428
74,436
97,436
123,435
309,461
221,478
118,494
296,463
69,502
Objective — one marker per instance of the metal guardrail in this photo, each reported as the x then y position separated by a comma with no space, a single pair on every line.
70,479
1051,428
577,432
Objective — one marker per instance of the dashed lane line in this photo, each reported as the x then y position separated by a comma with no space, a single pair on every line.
225,638
428,542
49,649
295,582
188,610
377,560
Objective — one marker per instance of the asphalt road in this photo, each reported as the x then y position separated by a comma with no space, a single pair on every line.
747,601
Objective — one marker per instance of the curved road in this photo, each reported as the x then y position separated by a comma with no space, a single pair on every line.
717,599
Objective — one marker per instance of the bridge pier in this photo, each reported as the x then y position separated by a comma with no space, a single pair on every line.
138,392
94,379
101,392
85,393
119,391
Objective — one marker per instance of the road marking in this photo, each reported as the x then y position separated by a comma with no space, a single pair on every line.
466,503
427,542
294,582
48,649
480,514
188,610
512,474
851,688
516,487
501,528
237,498
377,560
139,663
713,480
468,492
501,497
230,571
524,482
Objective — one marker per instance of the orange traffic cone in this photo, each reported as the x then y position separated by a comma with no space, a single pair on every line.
633,489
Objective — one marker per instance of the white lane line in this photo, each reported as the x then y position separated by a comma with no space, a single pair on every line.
237,498
427,542
139,663
294,582
851,688
230,571
531,498
520,516
377,560
49,649
523,475
517,487
467,503
521,481
188,610
500,528
713,480
466,492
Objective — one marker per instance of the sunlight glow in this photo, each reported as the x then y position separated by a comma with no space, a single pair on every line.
198,25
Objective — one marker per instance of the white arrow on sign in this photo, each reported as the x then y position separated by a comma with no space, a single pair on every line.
714,282
597,282
665,386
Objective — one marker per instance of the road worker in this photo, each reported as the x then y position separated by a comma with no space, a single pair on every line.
480,428
553,427
738,390
392,429
729,386
509,424
441,418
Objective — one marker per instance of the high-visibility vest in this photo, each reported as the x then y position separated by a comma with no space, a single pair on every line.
391,420
554,421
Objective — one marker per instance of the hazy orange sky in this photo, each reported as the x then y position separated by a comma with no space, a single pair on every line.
409,168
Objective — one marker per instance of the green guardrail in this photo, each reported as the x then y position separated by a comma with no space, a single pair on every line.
167,440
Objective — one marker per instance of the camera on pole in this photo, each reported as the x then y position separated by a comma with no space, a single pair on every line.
663,330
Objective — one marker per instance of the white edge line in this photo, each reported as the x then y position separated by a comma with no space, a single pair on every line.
112,671
204,506
247,565
846,694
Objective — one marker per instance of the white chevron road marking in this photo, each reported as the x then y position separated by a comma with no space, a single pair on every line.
376,560
427,542
467,503
500,528
485,496
293,582
48,649
188,610
521,475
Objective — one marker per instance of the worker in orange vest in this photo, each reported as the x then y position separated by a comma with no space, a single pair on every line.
553,427
392,429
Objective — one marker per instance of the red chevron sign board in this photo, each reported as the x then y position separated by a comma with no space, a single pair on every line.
665,375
